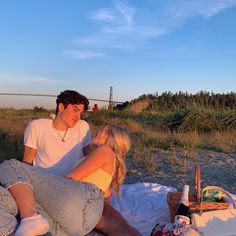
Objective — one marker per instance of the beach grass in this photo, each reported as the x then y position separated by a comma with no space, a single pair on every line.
149,132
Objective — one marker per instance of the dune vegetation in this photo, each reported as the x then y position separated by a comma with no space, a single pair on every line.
174,122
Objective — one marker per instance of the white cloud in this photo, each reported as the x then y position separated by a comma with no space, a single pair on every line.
215,7
123,26
148,32
192,8
120,46
44,80
84,55
116,19
101,41
95,41
105,14
119,29
126,11
29,83
24,78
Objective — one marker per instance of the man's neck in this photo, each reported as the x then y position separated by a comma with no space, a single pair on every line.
58,124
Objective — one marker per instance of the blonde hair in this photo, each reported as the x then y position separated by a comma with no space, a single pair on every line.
119,141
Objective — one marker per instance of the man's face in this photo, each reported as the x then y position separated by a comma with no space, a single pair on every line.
71,114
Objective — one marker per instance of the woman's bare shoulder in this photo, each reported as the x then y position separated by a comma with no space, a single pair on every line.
104,148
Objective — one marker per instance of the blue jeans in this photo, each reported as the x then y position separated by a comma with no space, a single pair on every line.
8,211
71,207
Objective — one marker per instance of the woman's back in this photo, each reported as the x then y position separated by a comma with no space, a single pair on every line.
101,178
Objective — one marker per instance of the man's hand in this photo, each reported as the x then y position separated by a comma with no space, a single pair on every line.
86,150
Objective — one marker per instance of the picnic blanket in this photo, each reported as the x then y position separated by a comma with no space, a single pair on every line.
143,205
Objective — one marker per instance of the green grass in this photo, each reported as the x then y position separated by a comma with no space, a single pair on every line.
11,147
182,131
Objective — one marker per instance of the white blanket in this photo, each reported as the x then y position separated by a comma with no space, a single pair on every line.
143,205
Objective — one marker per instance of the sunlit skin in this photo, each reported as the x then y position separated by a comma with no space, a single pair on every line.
102,157
111,223
67,117
99,138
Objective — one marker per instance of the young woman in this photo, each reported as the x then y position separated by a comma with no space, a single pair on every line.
104,168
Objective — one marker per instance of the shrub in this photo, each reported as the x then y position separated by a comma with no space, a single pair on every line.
230,120
198,120
39,110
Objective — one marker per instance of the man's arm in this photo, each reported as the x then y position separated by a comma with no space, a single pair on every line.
113,223
29,155
86,150
87,137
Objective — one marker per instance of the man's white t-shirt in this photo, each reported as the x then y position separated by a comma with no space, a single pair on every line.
53,154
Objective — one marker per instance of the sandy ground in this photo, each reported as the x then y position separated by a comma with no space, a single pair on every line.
216,169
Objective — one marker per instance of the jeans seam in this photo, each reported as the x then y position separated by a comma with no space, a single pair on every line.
85,225
20,182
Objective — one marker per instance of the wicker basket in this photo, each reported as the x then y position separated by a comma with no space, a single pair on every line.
195,199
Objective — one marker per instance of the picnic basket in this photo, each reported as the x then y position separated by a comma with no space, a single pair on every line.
195,198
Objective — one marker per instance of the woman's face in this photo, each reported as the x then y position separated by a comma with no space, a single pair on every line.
100,138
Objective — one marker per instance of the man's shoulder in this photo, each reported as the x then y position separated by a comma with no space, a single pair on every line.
37,126
82,124
40,122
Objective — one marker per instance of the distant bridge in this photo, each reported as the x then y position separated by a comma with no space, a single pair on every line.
51,95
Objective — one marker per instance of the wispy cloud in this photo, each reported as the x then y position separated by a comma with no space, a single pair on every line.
24,78
101,41
44,80
124,26
193,8
106,14
118,19
216,7
24,82
84,55
118,29
127,13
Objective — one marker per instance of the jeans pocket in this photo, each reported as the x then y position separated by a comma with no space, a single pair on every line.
92,213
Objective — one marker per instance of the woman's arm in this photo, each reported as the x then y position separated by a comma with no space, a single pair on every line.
99,158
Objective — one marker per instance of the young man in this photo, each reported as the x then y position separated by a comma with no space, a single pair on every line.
57,145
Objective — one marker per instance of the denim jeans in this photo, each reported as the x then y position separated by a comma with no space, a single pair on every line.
8,211
71,207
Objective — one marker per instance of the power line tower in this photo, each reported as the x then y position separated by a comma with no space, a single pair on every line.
111,98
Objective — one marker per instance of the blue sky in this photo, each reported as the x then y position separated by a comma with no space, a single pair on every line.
136,46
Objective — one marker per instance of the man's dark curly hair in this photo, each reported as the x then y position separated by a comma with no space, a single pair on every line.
71,97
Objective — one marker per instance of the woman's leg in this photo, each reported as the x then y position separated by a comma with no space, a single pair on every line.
31,223
8,210
24,196
76,206
8,221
